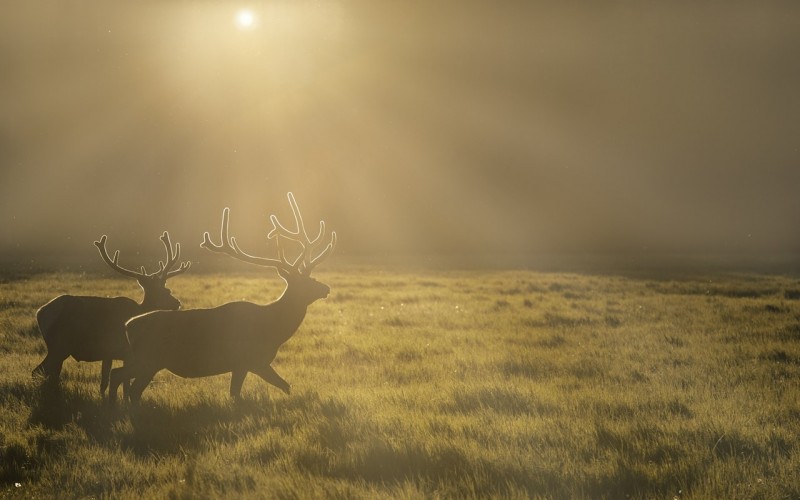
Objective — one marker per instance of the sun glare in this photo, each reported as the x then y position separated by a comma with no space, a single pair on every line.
245,19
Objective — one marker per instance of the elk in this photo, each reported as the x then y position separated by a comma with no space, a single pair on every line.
93,328
237,337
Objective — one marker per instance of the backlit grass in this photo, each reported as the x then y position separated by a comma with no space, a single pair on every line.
457,384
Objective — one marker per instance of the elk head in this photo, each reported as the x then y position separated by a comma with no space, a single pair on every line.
300,286
156,293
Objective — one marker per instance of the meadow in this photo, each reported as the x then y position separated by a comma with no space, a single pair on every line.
429,384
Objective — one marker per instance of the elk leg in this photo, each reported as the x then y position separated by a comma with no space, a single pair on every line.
116,377
237,379
50,367
140,382
271,377
55,368
105,370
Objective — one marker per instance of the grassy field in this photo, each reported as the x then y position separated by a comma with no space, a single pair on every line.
456,384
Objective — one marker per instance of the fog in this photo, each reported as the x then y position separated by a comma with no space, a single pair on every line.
470,128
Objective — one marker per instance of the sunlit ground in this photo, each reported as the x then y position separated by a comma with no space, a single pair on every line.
428,383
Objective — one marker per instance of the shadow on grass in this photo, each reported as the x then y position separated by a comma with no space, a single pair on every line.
205,423
148,428
54,413
166,430
54,407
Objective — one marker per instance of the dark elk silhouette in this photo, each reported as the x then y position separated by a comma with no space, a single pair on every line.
93,328
238,337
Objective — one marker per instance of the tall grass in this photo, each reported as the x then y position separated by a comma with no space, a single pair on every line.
459,384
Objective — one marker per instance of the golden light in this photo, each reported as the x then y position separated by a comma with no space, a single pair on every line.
245,19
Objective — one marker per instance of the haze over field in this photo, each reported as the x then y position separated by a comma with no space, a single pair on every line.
428,127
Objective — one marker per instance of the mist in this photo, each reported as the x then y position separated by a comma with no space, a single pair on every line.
466,128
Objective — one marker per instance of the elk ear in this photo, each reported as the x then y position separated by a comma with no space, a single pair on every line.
284,274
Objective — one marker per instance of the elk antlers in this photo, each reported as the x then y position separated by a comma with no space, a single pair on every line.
164,272
303,264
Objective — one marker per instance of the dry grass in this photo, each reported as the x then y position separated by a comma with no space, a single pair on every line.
460,384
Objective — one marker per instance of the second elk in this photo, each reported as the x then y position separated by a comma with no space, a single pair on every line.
93,328
238,337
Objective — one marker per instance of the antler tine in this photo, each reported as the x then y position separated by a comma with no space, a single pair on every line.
319,258
278,229
181,269
299,236
229,247
298,218
223,234
167,270
301,227
282,255
311,262
114,263
305,260
163,268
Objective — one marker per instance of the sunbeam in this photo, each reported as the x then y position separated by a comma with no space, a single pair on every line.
461,128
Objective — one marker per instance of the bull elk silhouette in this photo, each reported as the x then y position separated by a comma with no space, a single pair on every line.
238,337
93,328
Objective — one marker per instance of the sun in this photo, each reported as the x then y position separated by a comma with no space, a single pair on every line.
245,19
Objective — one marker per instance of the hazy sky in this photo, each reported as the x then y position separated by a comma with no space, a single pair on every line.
423,126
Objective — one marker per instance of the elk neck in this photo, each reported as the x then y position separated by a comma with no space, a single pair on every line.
158,299
146,305
291,307
293,303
